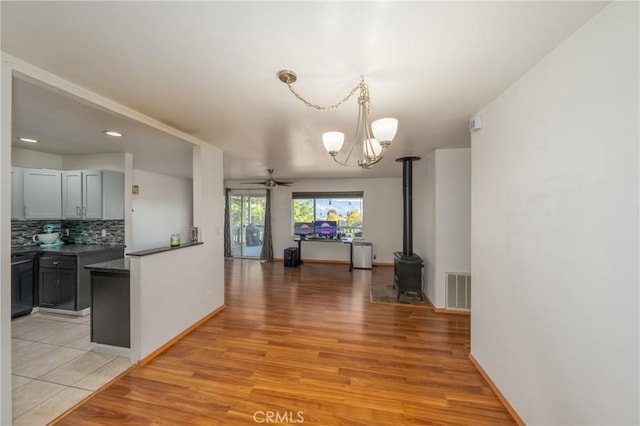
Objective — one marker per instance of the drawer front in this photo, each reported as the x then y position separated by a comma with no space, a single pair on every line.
64,262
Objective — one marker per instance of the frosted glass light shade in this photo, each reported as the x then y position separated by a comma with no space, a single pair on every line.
372,149
385,129
333,141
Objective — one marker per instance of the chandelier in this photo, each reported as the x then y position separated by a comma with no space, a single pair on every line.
372,138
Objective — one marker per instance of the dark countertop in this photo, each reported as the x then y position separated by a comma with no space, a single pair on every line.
116,266
70,249
162,249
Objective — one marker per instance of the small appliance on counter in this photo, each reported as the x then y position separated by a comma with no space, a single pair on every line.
50,237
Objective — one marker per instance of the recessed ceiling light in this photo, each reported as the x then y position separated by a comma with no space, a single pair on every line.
29,140
113,133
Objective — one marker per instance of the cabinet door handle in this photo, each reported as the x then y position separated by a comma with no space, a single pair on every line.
56,263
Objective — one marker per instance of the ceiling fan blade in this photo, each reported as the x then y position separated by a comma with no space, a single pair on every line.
284,183
253,183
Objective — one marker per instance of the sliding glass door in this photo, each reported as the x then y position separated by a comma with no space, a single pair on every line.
247,224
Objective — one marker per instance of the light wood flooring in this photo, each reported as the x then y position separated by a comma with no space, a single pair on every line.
305,346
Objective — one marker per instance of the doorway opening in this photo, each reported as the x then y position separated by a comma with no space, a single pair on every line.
247,224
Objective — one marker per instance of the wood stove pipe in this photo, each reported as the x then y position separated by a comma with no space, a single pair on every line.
407,204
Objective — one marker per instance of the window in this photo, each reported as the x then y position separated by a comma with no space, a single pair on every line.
343,207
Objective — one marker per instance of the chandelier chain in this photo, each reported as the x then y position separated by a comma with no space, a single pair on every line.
372,148
361,85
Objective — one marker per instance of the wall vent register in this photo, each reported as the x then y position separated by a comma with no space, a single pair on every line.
458,295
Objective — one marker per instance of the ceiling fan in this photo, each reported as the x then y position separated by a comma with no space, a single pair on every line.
270,183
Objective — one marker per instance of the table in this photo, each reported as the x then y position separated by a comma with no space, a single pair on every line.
327,240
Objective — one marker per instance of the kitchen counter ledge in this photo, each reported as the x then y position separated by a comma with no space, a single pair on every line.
162,249
118,266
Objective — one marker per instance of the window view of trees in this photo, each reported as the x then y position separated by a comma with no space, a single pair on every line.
347,212
303,210
247,220
254,207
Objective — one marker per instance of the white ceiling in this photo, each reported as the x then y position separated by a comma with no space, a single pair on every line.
209,69
66,125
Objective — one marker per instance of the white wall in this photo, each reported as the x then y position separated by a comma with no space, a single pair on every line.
382,216
163,207
35,160
22,157
442,188
424,219
173,290
453,216
108,161
555,231
5,243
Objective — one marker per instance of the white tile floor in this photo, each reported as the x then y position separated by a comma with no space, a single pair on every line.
53,367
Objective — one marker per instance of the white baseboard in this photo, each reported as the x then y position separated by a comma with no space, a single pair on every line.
112,350
81,313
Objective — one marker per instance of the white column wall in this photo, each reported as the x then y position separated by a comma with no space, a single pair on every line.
424,219
442,217
173,290
453,217
555,216
5,243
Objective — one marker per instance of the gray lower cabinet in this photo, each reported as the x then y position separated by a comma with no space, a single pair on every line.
22,285
110,311
57,282
64,283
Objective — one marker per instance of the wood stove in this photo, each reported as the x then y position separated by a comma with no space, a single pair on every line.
407,266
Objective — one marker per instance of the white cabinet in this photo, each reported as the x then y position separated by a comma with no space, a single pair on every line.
72,195
17,194
82,194
92,194
42,194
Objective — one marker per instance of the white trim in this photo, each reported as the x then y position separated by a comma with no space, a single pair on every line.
5,243
81,313
112,350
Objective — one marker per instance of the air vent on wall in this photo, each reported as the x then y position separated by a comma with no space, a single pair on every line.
458,291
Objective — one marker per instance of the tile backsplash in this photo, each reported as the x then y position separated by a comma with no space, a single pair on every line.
80,231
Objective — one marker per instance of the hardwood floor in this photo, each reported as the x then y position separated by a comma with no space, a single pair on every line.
305,346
